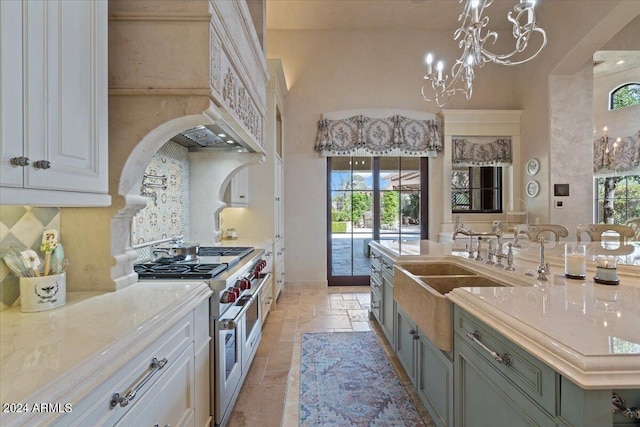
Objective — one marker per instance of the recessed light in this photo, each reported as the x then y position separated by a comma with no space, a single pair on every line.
229,141
620,62
221,135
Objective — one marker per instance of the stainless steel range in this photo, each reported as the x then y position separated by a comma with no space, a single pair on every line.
234,275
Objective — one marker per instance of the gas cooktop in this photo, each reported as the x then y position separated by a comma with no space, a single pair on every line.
178,271
239,251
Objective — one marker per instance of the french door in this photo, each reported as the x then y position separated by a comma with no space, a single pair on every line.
371,198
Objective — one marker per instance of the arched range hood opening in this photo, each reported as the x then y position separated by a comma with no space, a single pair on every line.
217,137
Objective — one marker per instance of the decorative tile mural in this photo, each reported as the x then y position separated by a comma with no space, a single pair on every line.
167,212
22,227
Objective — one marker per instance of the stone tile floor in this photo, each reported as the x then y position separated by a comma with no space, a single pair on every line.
270,394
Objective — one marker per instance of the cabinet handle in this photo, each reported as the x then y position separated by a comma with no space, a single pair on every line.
155,366
20,161
412,332
374,270
475,336
619,406
42,164
374,305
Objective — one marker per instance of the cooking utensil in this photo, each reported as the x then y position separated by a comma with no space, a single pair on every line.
49,244
13,260
57,258
31,261
178,251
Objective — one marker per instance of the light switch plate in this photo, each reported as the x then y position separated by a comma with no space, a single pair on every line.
559,204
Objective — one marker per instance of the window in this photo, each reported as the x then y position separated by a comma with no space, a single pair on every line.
625,96
624,191
476,189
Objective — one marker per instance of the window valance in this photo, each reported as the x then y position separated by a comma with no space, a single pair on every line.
482,152
368,136
623,158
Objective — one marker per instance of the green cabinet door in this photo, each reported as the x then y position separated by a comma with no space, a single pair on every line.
435,382
406,334
485,398
388,309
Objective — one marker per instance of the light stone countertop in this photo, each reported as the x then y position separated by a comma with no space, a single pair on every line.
56,356
588,332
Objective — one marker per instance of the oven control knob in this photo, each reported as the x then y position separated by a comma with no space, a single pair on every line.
238,284
235,292
228,297
245,284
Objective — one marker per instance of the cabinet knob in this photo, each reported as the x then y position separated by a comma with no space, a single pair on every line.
42,164
20,161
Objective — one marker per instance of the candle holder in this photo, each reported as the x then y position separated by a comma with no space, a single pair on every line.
606,270
575,261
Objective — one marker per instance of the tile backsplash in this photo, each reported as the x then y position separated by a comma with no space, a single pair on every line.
22,227
167,213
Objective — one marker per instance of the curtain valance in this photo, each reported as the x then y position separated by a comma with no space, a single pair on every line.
621,159
491,152
367,136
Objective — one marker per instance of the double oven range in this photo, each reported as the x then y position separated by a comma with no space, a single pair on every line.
235,276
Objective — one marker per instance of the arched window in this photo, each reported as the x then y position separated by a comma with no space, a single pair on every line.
625,96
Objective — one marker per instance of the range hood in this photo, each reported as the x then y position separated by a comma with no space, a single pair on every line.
217,137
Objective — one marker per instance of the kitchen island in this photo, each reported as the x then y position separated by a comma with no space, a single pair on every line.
583,335
72,359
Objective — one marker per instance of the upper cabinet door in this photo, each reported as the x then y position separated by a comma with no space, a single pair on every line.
53,110
11,136
65,93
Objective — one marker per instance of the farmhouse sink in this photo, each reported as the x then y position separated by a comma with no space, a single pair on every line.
420,288
435,269
445,284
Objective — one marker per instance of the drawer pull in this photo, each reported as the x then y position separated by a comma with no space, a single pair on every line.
375,270
155,366
475,336
619,406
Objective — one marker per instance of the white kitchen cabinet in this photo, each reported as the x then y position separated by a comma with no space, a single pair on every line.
202,366
237,193
279,202
266,300
171,401
53,112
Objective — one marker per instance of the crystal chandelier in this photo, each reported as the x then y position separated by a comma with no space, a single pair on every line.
473,36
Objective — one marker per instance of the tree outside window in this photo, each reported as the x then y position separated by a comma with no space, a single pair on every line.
625,96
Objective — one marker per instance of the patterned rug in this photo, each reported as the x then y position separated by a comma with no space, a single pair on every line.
346,379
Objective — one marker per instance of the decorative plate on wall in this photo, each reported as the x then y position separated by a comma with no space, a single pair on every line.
532,167
533,188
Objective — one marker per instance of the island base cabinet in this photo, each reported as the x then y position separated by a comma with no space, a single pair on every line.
406,335
171,404
388,309
435,382
484,398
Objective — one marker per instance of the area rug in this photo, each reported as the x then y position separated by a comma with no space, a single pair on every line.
346,379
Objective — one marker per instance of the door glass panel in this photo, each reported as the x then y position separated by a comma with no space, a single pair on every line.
400,198
351,215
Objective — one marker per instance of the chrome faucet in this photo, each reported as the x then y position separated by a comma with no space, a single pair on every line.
499,249
459,229
543,267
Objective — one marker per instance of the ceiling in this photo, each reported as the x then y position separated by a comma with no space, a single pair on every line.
436,15
407,15
608,62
